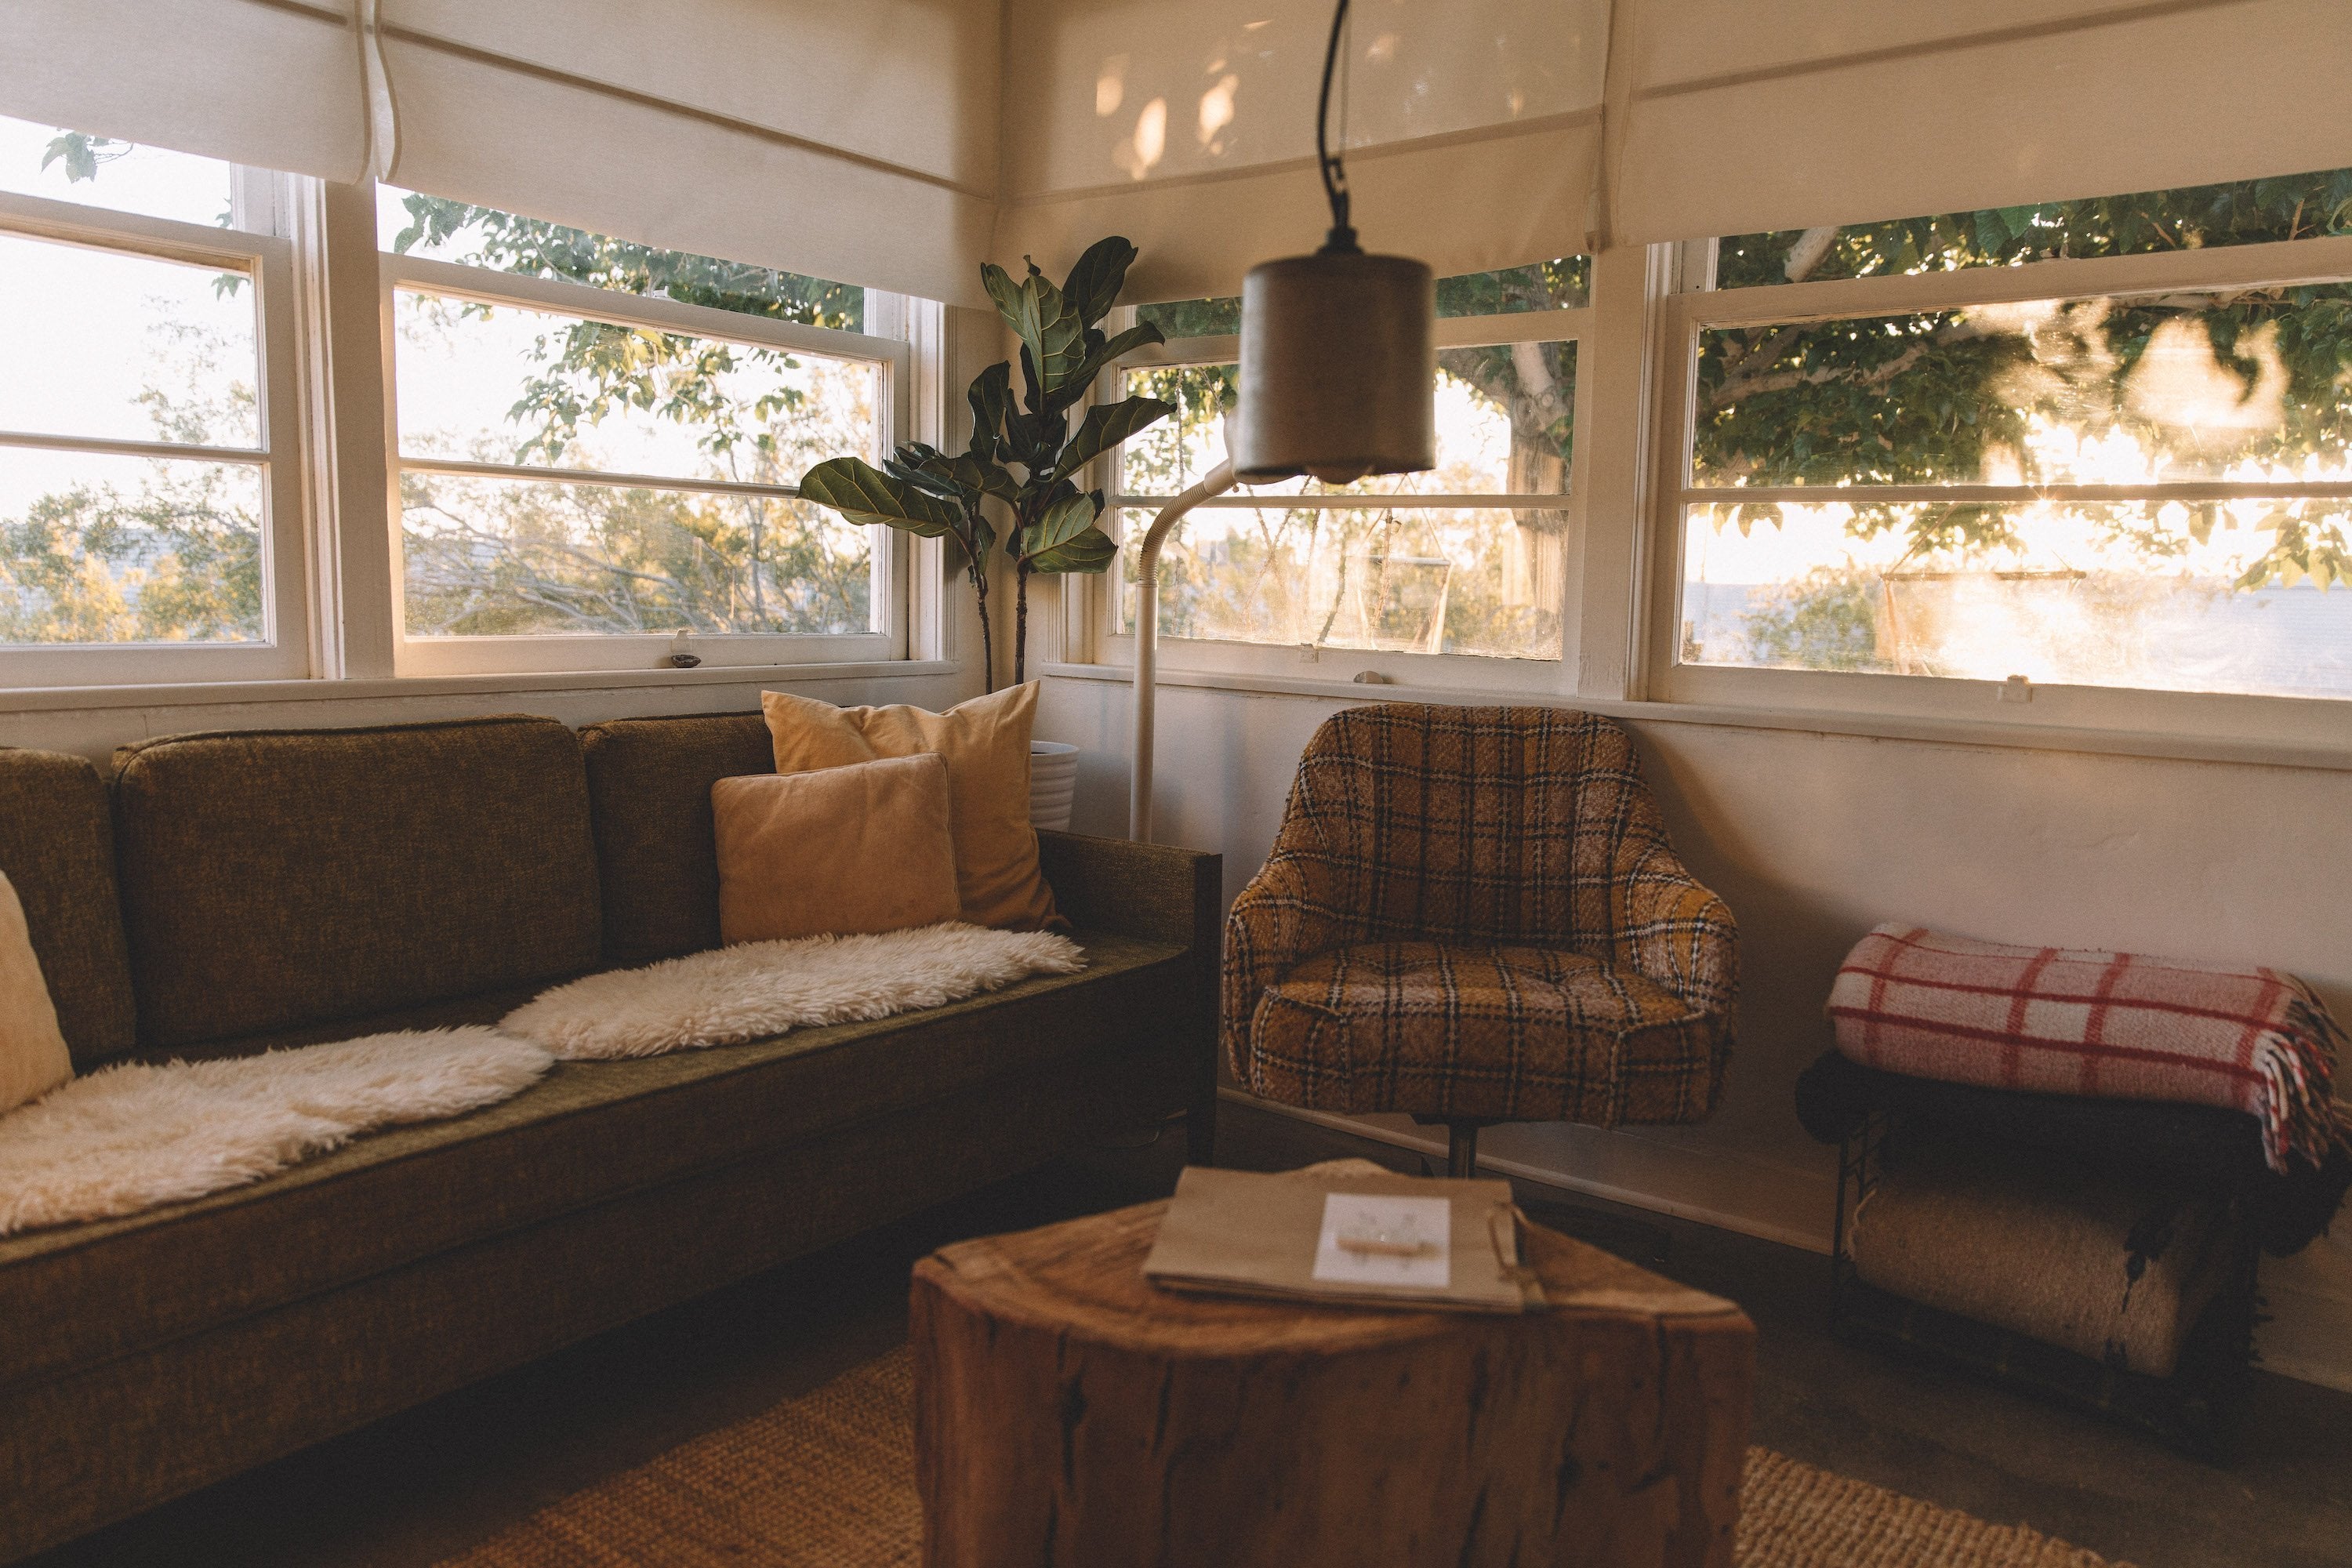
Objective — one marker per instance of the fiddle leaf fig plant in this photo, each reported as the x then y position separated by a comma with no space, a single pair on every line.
1024,454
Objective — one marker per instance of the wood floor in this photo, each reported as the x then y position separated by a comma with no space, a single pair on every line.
410,1491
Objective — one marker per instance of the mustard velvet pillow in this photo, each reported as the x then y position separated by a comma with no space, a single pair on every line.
32,1055
985,743
843,851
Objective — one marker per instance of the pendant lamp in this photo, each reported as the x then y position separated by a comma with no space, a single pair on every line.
1338,357
1339,379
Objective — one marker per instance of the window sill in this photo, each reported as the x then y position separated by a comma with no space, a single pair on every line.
2019,734
190,694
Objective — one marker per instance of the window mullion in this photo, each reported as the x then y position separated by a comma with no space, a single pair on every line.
346,397
1630,407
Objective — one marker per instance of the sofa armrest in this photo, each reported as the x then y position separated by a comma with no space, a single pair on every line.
1151,891
1155,893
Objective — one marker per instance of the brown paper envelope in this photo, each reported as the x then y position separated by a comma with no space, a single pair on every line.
1248,1234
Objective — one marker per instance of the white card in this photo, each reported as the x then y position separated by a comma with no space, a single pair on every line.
1373,1240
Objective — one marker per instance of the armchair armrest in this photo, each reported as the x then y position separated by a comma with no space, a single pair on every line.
1288,912
1669,927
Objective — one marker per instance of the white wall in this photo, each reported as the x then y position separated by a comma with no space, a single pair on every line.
1813,838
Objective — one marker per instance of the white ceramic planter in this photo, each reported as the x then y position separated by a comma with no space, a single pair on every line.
1052,781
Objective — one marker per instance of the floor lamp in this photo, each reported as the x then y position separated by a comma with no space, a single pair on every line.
1216,482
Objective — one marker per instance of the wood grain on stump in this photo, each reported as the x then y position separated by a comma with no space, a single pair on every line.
1070,1414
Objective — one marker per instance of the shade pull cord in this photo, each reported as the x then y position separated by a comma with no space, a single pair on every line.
382,107
1342,237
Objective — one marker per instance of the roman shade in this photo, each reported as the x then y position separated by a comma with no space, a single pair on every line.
1472,130
854,140
1744,115
897,144
276,83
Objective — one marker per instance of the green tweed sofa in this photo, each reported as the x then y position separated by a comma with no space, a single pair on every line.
235,892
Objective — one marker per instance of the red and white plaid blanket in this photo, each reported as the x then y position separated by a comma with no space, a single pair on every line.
2070,1021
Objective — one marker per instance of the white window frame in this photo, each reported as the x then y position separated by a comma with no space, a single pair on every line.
1538,677
607,651
2217,715
284,648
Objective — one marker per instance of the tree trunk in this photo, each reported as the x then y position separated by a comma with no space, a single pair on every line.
1071,1415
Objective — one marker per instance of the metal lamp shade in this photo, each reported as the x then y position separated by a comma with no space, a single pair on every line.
1338,368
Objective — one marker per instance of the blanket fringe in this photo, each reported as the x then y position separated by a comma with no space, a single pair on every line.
2301,1115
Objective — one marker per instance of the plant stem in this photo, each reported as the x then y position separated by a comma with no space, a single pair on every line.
987,648
1021,623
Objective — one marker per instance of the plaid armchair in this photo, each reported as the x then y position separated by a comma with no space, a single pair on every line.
1473,914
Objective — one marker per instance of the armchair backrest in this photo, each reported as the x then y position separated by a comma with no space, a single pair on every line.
1479,824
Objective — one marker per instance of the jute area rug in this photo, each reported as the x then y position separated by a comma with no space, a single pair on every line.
826,1480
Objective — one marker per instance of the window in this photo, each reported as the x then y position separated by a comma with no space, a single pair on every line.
1463,559
595,444
68,165
2100,445
150,483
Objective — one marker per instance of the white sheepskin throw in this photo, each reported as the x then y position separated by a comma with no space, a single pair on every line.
137,1136
759,989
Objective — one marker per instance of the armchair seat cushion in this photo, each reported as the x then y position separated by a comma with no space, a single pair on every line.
1480,1031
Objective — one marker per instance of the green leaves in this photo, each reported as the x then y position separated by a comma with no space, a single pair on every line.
988,478
1066,539
1062,349
920,489
485,236
961,479
1105,427
82,154
1101,351
865,496
1049,328
2000,230
1094,283
991,397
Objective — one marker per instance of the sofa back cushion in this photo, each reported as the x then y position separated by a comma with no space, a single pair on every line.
649,782
57,847
275,878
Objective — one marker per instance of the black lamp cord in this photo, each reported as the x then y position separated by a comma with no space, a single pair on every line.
1342,238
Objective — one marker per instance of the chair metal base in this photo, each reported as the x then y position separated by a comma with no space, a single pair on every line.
1625,1237
1460,1141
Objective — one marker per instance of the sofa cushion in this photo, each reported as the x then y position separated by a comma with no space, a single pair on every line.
33,1055
986,743
839,852
57,847
649,784
587,1134
276,878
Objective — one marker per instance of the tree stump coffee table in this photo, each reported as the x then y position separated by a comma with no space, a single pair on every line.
1070,1414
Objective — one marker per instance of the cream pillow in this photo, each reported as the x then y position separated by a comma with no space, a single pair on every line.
32,1055
986,744
843,851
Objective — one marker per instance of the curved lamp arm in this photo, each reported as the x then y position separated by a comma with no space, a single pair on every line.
1217,482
